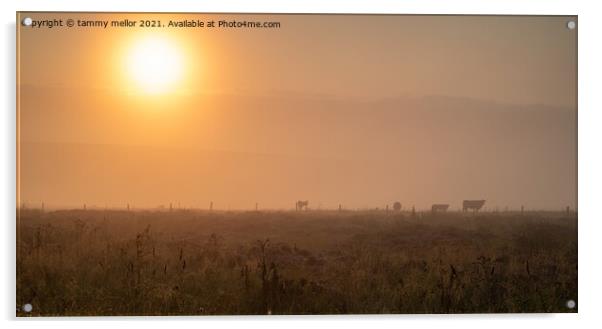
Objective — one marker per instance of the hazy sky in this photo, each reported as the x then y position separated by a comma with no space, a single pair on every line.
420,109
509,59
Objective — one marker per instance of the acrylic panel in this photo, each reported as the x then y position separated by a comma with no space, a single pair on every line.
256,164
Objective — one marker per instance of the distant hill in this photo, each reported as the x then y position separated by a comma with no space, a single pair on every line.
237,150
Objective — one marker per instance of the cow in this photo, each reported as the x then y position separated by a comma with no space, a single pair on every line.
439,207
474,205
301,204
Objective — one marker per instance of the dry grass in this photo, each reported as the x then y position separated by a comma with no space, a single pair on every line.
323,262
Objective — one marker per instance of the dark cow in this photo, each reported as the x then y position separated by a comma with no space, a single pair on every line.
439,207
474,205
301,204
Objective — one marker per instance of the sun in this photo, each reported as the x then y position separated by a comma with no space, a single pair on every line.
154,64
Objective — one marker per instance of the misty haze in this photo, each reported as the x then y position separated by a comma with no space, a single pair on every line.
273,150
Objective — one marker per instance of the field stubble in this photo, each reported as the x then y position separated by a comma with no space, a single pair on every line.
185,262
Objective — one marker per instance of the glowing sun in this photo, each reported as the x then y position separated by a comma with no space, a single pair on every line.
155,64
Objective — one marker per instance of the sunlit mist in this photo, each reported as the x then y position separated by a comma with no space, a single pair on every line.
155,64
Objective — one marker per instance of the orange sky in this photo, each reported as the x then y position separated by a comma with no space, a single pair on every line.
510,59
271,115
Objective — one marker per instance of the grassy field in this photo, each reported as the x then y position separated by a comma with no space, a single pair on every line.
185,262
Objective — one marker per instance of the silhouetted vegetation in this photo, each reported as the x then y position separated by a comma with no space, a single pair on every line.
112,262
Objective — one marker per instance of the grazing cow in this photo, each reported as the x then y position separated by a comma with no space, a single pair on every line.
301,204
439,207
474,205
